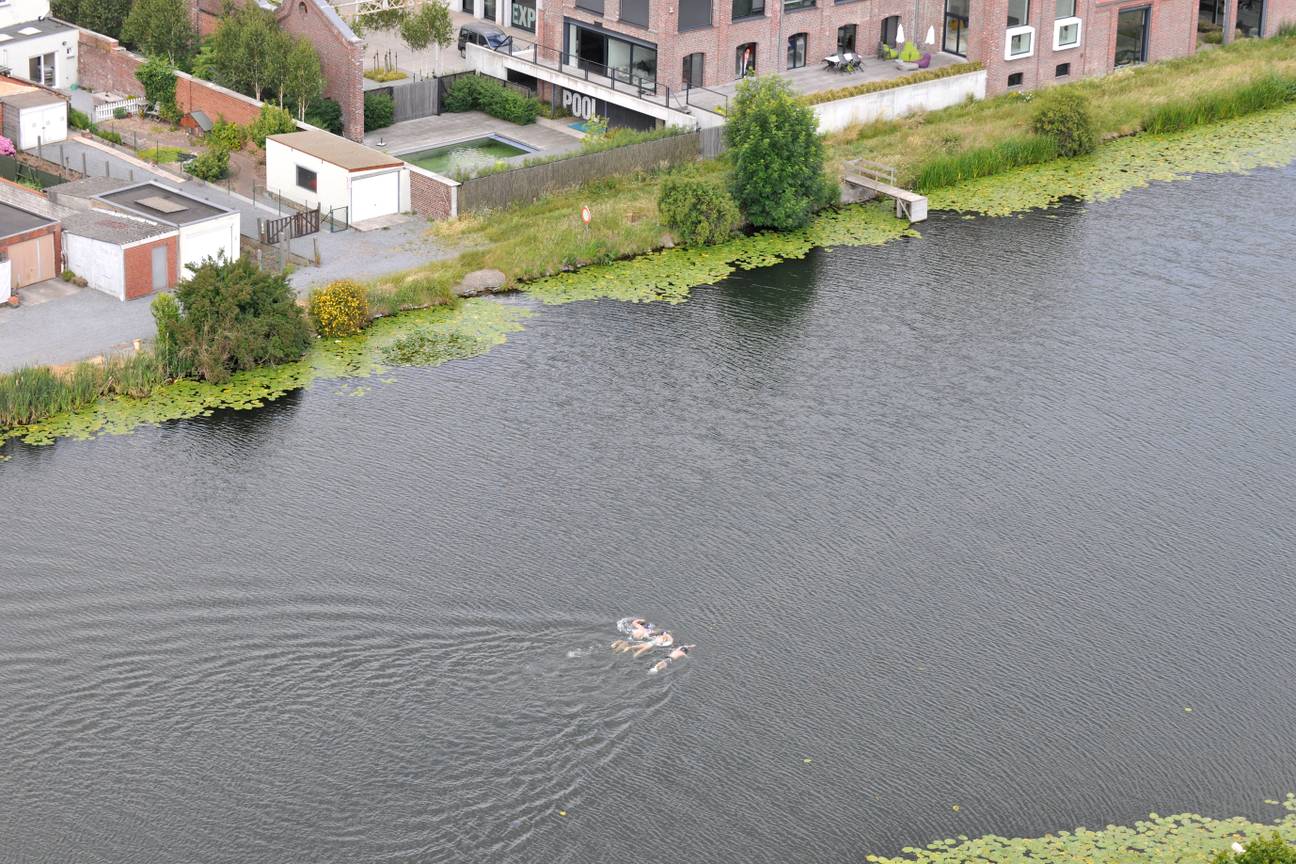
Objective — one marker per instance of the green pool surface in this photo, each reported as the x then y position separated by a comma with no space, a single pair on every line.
465,157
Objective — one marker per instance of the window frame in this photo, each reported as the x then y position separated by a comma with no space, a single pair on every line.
755,11
854,28
1061,24
1012,33
1020,79
1024,20
742,71
1062,70
804,37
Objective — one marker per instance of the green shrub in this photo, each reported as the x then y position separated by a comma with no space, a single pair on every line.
946,170
1211,37
339,309
106,134
379,111
34,393
159,80
229,137
777,154
1272,849
1063,115
210,166
382,76
479,93
1267,91
698,213
887,84
229,316
78,120
325,114
120,113
271,121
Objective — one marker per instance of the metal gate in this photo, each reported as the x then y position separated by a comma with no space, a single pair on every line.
289,227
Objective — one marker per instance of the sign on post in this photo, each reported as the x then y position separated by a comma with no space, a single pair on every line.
586,216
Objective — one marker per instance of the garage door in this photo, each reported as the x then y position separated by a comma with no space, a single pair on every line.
31,261
375,196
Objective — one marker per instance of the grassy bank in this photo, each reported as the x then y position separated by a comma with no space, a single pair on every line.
1186,838
31,394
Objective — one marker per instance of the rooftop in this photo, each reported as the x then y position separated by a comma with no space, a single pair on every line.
112,227
161,204
86,187
336,150
31,30
31,98
15,221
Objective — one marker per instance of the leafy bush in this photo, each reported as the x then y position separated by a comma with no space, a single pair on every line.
159,80
229,137
479,93
120,113
210,166
777,155
874,86
1272,849
615,138
698,213
34,393
228,317
379,111
271,121
106,134
78,120
1267,91
325,114
384,75
946,170
1064,116
339,309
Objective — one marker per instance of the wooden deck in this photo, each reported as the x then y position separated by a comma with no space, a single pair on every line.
880,179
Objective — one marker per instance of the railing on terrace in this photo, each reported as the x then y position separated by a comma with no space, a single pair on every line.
611,77
724,97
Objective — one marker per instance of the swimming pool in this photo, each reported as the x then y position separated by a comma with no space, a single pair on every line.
467,157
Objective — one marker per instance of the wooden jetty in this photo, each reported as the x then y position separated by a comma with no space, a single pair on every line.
880,179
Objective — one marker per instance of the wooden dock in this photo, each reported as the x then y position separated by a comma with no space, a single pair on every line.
880,179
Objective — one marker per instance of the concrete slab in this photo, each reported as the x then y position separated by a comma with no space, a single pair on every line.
43,292
82,324
379,222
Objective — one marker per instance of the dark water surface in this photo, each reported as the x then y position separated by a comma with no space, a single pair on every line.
967,520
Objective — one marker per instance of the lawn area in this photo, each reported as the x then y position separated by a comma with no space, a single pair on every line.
159,155
1120,103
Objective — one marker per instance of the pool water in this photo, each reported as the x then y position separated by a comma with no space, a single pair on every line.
466,157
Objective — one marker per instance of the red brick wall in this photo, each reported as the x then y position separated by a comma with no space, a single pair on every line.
341,58
193,94
103,64
139,267
430,198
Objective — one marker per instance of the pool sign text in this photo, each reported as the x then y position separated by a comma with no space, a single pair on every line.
579,105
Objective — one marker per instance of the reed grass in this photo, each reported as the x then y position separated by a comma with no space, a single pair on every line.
1267,91
34,393
1003,156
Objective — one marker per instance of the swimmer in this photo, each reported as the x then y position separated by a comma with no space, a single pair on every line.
665,640
621,645
659,666
681,652
641,629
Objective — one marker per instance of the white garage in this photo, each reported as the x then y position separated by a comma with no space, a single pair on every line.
34,117
205,230
316,169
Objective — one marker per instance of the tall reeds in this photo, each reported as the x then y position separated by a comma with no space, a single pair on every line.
1260,94
34,393
946,170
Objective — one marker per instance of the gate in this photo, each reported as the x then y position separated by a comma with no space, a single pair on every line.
289,227
415,99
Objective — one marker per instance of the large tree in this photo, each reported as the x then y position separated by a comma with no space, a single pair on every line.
101,16
777,155
302,79
249,51
429,26
160,27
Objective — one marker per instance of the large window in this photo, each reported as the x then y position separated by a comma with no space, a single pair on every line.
1019,42
748,8
595,6
635,12
488,10
891,30
796,51
1131,36
846,39
745,60
694,14
604,54
1018,13
306,179
1250,17
41,68
955,38
793,5
693,64
1065,9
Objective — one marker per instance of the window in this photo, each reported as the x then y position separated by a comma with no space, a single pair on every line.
1018,13
1065,9
890,30
467,6
955,37
748,9
745,60
41,68
1015,79
636,12
796,51
693,70
1250,17
604,54
693,14
794,5
1062,70
488,10
1019,42
1066,33
306,178
846,39
595,6
1131,36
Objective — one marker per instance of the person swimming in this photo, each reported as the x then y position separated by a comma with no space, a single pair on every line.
678,654
621,645
663,640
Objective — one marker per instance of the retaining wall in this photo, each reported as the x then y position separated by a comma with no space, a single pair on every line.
899,101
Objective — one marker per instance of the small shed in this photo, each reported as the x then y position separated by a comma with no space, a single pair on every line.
120,255
317,169
205,230
196,120
34,117
32,245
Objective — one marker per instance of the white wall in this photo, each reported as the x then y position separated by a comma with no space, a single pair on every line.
899,101
211,239
100,264
17,11
62,45
5,278
43,124
331,181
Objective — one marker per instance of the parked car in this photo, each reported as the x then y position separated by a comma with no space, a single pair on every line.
481,33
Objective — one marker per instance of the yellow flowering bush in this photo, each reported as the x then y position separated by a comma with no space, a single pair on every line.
339,308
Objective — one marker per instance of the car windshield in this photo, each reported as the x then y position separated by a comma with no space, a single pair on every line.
495,40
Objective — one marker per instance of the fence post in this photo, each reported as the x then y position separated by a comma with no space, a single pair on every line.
315,240
85,168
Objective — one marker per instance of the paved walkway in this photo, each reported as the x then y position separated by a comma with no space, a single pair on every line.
69,327
425,133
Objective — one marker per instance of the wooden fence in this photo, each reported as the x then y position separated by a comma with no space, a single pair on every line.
106,110
495,191
289,227
415,99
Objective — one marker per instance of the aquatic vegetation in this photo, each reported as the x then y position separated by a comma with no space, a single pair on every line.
1186,838
483,323
428,348
1255,141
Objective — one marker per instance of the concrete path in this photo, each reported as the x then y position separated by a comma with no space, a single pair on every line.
70,326
425,133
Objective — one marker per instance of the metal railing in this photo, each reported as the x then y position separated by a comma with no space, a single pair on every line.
571,64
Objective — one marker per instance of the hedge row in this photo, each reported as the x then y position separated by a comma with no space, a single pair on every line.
903,81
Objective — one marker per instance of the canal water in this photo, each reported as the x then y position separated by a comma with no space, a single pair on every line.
988,531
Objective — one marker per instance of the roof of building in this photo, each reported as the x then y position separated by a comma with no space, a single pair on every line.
162,204
86,187
337,150
202,121
31,98
13,85
16,221
25,30
112,227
